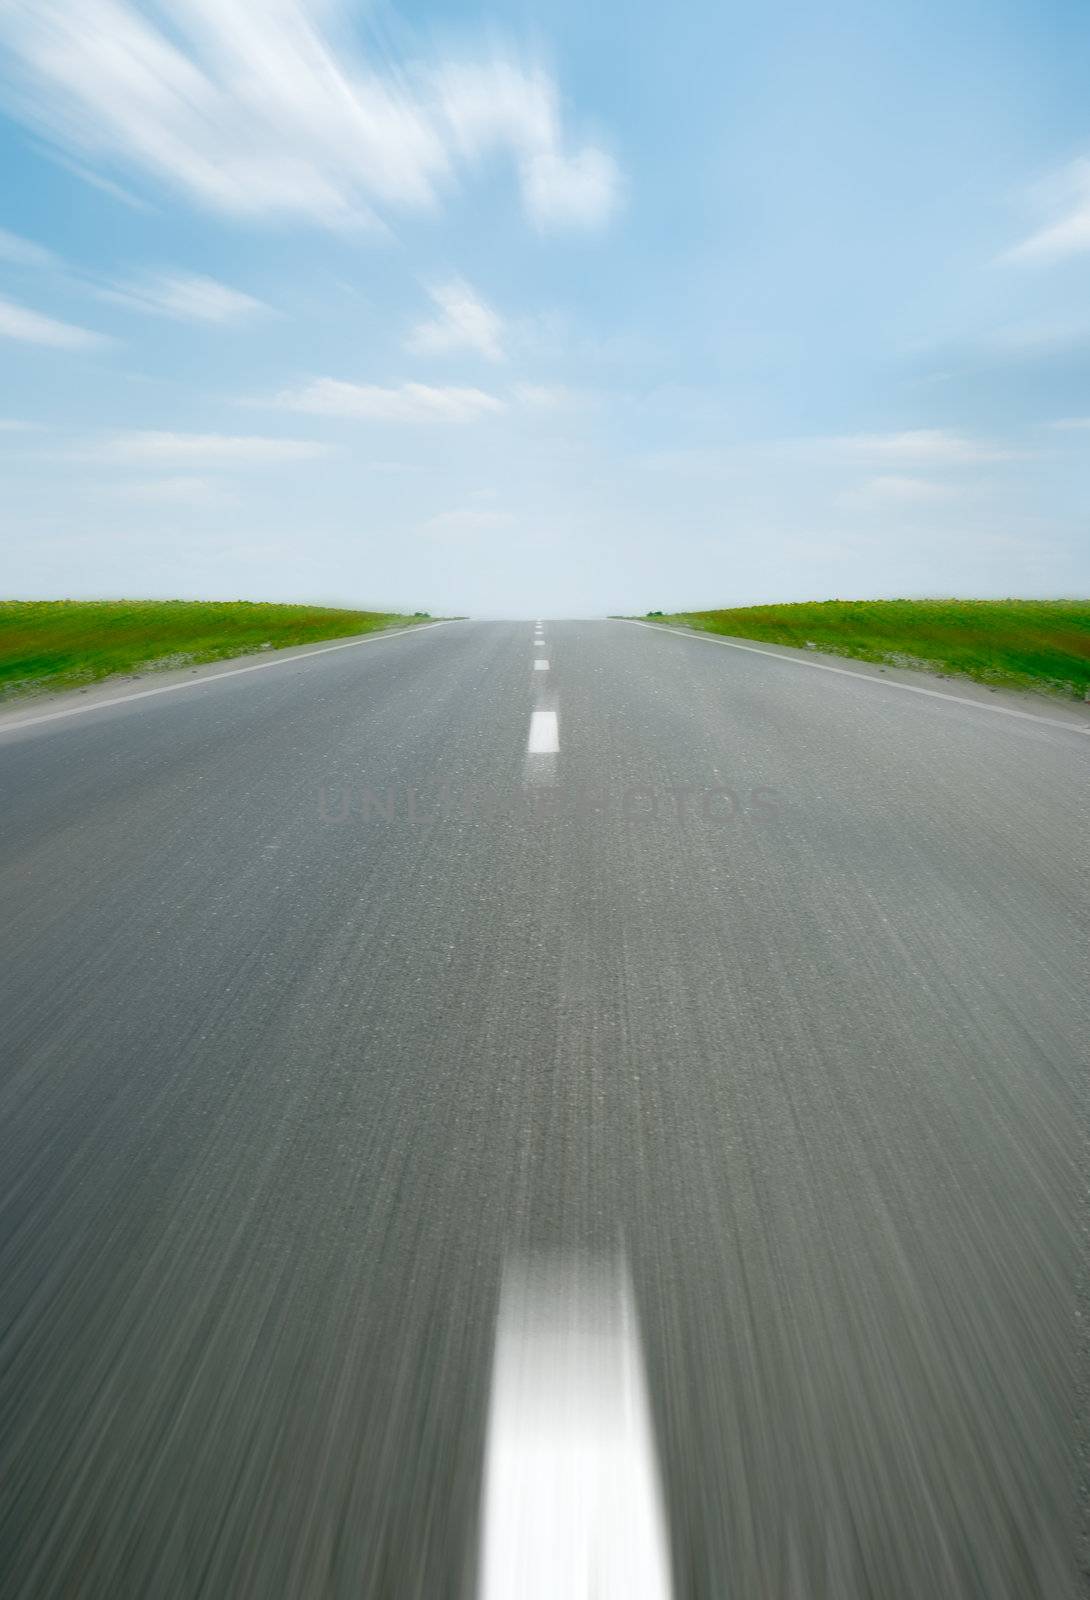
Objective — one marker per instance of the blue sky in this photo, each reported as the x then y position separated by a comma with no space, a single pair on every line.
544,310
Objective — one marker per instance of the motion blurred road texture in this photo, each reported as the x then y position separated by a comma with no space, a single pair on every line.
332,1001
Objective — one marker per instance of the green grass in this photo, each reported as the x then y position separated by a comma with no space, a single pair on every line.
1016,644
67,644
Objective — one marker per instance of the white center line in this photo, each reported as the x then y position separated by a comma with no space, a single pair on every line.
572,1503
541,666
544,733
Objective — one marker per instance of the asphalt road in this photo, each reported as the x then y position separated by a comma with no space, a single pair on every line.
325,1002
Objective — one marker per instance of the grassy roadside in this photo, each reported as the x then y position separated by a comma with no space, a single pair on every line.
1043,645
67,644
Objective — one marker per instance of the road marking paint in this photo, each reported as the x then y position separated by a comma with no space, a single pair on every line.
11,725
862,677
572,1502
544,733
541,666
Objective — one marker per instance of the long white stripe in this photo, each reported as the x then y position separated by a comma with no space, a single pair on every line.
798,660
572,1505
544,733
12,725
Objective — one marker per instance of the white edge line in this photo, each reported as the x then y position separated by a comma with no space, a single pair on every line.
14,726
865,677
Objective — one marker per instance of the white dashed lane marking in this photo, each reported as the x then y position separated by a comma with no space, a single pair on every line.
544,733
572,1503
541,666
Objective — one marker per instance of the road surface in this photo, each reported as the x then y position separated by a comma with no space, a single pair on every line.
745,1006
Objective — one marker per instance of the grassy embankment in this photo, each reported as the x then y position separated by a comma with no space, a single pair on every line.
68,644
1042,645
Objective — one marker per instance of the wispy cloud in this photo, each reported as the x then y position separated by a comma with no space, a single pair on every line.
406,402
579,190
934,449
546,396
187,297
146,447
466,522
898,490
1068,197
176,491
1071,424
31,327
935,446
689,460
25,253
464,323
266,110
501,104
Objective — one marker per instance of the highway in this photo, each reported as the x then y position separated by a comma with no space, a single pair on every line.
362,1010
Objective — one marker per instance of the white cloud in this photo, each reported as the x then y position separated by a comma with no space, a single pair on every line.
464,323
898,491
1068,195
501,104
176,491
407,402
466,522
30,327
186,296
932,445
578,191
149,448
104,185
24,253
933,448
1071,424
265,108
546,396
689,460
